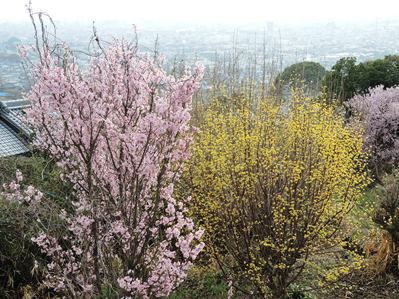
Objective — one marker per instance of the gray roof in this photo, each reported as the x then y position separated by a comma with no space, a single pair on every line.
10,143
14,104
14,134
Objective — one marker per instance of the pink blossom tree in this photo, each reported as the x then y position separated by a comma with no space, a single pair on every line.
378,110
120,132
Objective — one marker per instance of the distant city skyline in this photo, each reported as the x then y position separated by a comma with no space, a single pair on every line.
204,11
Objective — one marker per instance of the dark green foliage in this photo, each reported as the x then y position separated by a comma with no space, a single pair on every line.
210,284
39,171
17,252
340,82
19,256
307,71
387,211
19,223
381,71
348,78
305,75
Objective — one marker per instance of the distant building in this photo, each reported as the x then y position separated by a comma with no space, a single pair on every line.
14,134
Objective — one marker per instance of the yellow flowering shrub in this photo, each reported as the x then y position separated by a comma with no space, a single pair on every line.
272,186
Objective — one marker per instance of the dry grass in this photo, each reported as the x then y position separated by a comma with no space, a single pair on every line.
382,253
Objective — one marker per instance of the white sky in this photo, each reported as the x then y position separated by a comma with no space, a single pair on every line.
200,11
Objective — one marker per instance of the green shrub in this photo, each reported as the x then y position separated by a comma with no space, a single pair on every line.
20,274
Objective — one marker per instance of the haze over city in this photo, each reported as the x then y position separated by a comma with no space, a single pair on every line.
220,11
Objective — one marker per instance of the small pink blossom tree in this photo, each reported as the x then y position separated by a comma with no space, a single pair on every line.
379,112
120,132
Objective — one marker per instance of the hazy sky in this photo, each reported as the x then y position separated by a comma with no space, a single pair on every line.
199,11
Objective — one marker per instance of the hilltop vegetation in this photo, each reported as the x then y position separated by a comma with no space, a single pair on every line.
307,75
348,78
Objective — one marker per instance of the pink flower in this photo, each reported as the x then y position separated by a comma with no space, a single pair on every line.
120,132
